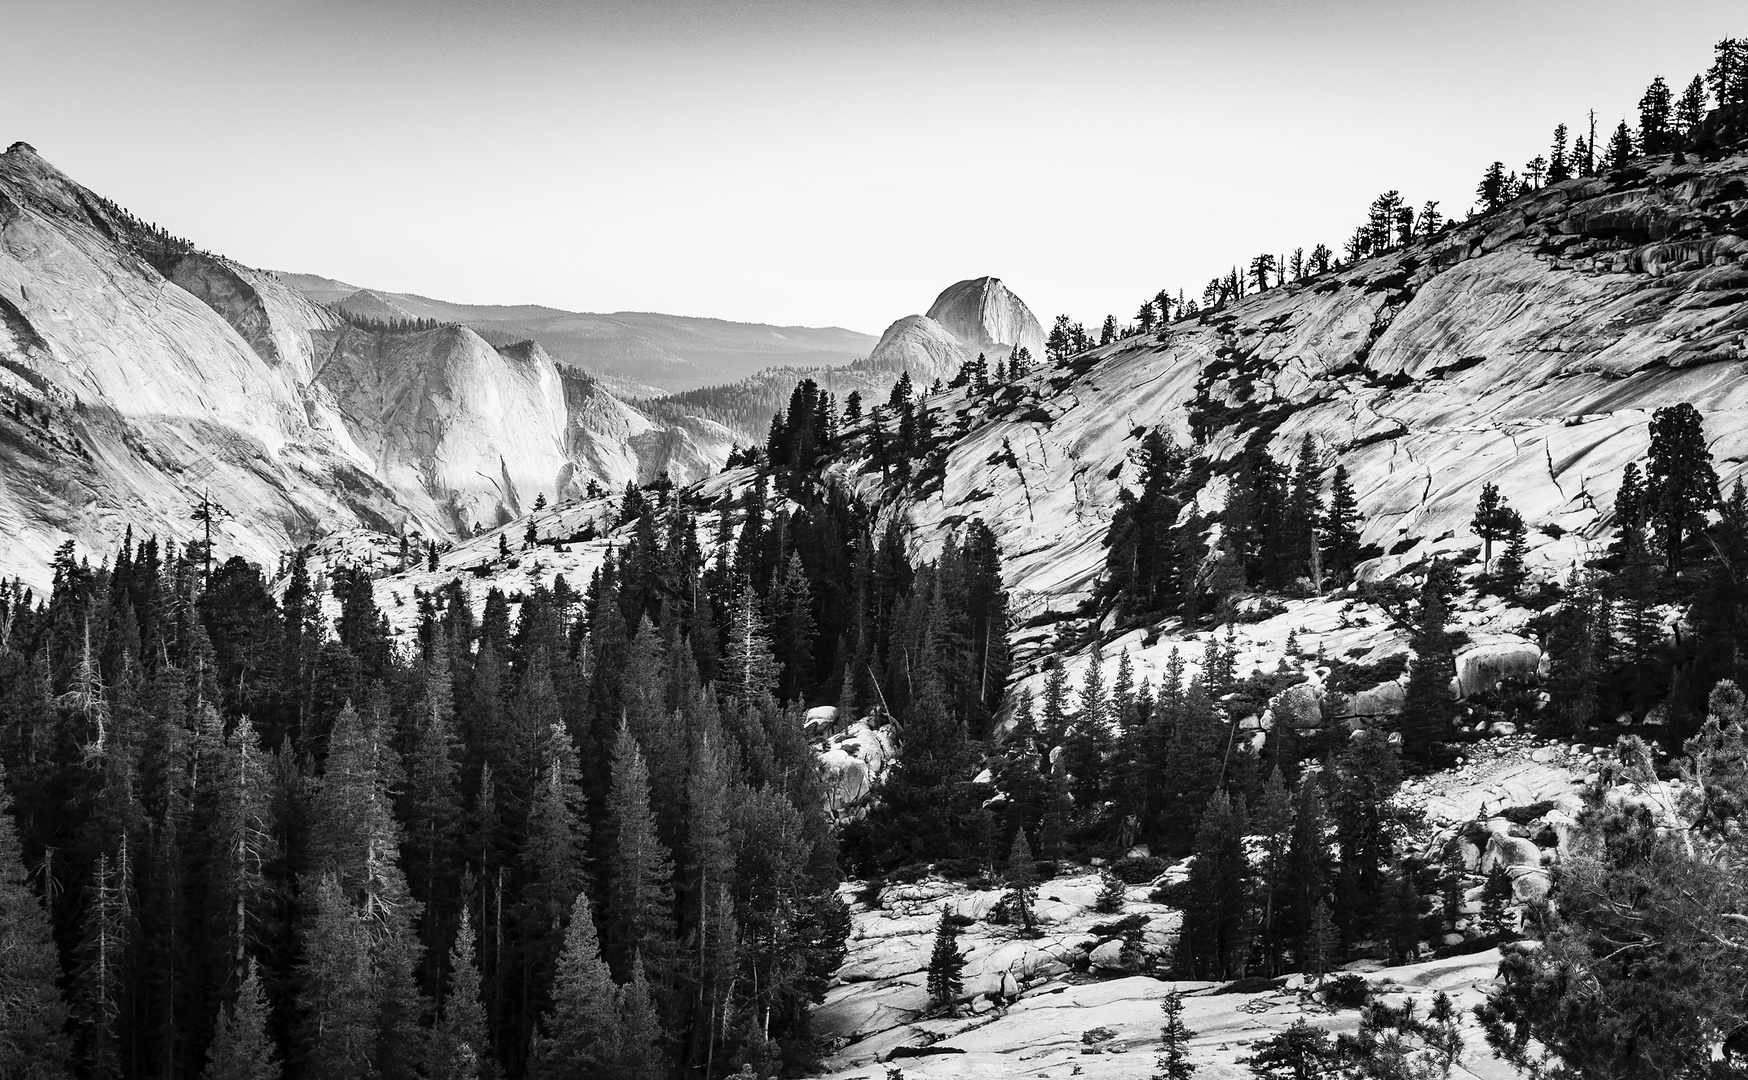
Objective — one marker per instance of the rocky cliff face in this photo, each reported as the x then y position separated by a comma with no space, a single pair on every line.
1528,348
975,316
986,316
137,372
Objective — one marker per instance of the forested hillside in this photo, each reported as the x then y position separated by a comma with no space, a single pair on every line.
1209,622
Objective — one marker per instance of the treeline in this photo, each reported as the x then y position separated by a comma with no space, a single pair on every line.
149,240
373,325
1667,123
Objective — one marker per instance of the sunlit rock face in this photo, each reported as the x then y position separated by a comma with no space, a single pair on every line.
986,316
139,374
1528,347
975,316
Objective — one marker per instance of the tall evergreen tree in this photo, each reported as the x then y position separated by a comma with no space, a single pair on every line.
1680,486
336,995
580,1036
461,1045
640,904
1341,534
1214,939
1427,708
749,669
100,972
1656,116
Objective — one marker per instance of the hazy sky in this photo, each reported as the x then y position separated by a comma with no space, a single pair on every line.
808,162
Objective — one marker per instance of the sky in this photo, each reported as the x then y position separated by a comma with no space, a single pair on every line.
808,162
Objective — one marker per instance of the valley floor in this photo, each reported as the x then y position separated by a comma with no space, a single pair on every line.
1065,1004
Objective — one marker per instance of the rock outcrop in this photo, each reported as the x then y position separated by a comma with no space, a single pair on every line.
978,315
987,317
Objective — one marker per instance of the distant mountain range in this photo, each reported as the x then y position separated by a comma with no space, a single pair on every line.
639,352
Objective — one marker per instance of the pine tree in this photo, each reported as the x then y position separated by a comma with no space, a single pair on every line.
1620,148
709,865
1427,708
1053,724
1691,109
1680,486
1174,1062
1366,778
100,973
354,842
1512,571
946,965
640,1035
580,1035
1494,190
1022,879
1559,163
241,1049
749,669
461,1047
1341,534
1214,939
793,600
1302,519
1656,112
1271,818
1308,867
1491,522
31,1044
336,993
554,865
640,900
1401,916
1088,742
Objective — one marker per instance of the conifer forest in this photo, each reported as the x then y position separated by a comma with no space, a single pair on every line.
808,775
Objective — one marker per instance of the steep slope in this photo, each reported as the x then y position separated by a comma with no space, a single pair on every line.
672,352
984,314
978,315
123,394
138,372
1528,347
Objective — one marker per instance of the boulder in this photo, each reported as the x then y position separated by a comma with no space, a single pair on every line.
1108,956
1530,886
821,720
1510,851
1384,699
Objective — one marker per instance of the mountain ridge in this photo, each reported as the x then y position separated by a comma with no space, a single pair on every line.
673,352
139,374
